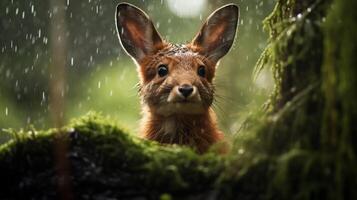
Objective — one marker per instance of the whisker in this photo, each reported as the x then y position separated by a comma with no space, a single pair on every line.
219,107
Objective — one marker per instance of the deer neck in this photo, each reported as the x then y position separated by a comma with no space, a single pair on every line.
198,131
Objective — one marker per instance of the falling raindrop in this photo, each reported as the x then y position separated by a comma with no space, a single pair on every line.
299,16
45,40
7,74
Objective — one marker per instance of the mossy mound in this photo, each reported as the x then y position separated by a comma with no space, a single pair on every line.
105,162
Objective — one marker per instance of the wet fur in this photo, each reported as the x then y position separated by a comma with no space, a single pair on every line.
197,131
168,117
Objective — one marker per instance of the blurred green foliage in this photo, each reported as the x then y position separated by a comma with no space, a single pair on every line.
100,76
112,91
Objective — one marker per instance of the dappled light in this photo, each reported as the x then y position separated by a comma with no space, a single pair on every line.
187,8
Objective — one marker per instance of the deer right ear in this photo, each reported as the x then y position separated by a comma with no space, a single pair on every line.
217,34
136,32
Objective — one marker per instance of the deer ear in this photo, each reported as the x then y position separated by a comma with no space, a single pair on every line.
136,32
217,34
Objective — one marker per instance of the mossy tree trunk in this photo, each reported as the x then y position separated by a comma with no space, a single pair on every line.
310,128
295,53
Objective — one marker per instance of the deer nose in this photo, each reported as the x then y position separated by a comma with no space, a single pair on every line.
185,90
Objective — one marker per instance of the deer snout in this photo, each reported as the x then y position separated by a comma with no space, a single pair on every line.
185,90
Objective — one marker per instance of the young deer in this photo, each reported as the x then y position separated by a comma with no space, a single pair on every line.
176,80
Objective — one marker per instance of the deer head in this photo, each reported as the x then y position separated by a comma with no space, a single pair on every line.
176,79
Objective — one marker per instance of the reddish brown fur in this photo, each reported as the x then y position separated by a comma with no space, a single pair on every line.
169,116
197,131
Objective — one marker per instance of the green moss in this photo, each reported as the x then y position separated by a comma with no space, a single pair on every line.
308,131
295,55
294,51
340,76
106,161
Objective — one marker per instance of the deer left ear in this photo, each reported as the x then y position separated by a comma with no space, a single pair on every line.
136,31
217,34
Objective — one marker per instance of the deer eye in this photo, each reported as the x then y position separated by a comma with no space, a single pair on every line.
201,71
162,70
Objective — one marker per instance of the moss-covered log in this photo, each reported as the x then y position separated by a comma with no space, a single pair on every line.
105,162
303,147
